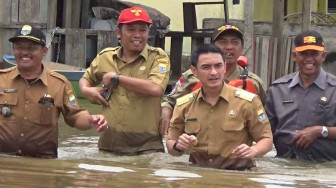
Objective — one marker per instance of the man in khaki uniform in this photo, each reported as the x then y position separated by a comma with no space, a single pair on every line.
137,75
230,40
32,98
218,123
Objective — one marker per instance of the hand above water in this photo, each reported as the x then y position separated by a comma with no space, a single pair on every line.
305,137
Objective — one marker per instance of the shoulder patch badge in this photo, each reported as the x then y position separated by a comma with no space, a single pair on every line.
185,99
261,114
72,98
162,67
244,95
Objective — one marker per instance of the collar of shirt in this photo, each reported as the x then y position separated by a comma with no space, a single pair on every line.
223,94
42,77
143,53
320,81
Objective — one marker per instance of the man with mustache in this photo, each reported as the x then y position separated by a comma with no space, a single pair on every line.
230,40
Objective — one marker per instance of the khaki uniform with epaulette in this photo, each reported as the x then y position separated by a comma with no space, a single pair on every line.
30,126
190,81
133,118
238,117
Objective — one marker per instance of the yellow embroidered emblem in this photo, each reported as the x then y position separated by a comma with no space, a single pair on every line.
136,11
261,111
185,99
309,39
244,95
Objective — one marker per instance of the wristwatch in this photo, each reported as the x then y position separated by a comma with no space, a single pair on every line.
175,148
115,79
324,131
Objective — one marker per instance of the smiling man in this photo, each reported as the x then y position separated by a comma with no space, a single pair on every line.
218,123
134,77
301,106
32,98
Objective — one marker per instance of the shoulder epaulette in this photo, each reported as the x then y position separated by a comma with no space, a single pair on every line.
185,99
331,79
187,73
109,49
244,95
254,77
161,52
57,75
285,79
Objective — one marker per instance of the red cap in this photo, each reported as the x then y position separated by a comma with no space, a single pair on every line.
133,14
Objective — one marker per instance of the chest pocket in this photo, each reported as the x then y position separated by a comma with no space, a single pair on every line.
192,128
10,100
44,115
233,127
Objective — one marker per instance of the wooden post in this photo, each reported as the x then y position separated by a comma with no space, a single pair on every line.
106,39
52,14
306,14
277,30
71,13
75,47
248,28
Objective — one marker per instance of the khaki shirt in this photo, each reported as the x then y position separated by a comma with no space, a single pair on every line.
133,118
189,82
237,118
32,127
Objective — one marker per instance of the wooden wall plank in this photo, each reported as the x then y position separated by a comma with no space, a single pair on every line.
291,61
75,47
76,13
52,14
43,13
106,39
256,69
248,27
29,11
67,7
288,53
7,46
14,8
274,59
264,60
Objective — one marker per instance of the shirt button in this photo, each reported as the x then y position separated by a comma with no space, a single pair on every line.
211,110
210,160
22,134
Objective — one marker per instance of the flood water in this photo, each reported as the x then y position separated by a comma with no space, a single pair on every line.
81,164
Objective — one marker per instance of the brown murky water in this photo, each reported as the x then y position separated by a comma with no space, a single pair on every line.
81,164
